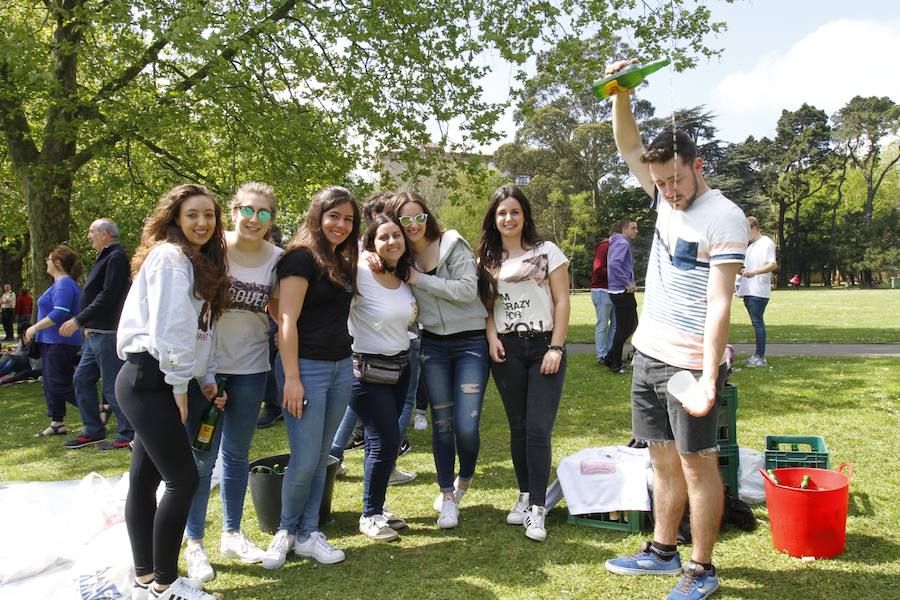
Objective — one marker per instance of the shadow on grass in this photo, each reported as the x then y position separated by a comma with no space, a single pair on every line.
742,333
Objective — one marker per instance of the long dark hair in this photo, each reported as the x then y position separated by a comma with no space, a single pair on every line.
490,249
210,269
392,207
339,265
401,271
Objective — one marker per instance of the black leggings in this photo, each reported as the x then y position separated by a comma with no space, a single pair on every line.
531,401
162,452
626,323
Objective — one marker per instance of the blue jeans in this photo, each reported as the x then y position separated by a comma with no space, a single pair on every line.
379,407
756,306
455,372
345,429
235,434
605,330
99,361
328,386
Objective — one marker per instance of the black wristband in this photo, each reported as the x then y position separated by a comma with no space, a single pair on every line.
560,349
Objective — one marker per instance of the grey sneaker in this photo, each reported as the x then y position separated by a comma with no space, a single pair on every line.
399,477
198,566
517,515
534,524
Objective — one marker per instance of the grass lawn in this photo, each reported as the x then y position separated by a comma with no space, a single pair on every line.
853,403
792,316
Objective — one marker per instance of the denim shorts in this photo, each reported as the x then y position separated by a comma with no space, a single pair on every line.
658,417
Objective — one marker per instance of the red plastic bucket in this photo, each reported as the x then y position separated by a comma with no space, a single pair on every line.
810,522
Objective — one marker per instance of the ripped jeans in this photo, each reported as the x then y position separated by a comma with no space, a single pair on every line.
455,373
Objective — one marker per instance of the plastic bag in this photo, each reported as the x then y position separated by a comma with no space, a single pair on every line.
750,482
104,569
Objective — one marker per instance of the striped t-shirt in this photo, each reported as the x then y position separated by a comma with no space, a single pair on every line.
685,244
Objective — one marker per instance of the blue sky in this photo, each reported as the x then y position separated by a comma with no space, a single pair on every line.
777,54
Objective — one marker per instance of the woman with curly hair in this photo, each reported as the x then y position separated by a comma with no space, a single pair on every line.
316,278
166,337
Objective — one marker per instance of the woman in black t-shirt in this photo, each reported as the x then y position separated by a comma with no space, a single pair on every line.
316,277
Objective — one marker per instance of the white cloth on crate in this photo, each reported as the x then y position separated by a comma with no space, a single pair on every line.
600,480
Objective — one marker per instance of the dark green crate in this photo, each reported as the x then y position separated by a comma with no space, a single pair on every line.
729,463
726,432
796,451
631,521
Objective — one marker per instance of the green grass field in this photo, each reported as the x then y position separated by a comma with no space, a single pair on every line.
793,316
853,403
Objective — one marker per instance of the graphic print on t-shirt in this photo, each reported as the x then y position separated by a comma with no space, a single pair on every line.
249,296
204,322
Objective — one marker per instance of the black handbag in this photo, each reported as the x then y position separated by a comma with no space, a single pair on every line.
32,350
376,368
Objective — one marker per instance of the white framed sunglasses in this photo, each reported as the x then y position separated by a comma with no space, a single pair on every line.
420,219
262,215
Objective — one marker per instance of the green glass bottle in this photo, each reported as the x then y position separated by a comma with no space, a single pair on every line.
627,78
209,421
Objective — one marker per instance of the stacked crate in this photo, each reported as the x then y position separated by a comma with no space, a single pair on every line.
729,458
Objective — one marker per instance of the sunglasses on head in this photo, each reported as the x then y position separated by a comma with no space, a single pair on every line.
420,219
262,215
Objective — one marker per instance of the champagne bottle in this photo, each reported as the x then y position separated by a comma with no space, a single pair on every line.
209,421
626,78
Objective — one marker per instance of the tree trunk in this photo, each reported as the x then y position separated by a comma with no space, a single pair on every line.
49,218
782,273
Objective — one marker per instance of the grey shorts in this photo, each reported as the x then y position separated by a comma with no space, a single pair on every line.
657,417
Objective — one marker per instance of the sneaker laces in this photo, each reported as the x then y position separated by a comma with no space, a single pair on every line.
282,538
691,572
244,545
380,521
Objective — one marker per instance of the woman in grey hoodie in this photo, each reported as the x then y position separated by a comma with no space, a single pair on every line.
444,280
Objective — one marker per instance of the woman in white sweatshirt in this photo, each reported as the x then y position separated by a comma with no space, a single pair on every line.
166,338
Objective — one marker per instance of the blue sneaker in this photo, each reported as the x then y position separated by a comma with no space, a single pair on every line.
645,562
696,583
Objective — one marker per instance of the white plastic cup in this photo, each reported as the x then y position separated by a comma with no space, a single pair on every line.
684,388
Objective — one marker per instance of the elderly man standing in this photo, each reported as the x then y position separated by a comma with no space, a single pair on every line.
101,305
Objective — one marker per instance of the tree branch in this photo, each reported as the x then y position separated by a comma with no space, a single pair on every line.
22,148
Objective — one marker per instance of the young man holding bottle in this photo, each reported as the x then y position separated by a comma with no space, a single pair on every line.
698,246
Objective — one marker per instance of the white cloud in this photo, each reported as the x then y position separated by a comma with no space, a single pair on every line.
828,67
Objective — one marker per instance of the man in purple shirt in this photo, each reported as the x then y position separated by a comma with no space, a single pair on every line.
620,274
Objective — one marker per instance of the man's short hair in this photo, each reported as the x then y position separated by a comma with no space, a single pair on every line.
621,225
109,226
665,145
753,222
375,204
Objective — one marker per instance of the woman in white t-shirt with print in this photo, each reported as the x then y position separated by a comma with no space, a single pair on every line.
526,289
242,356
380,316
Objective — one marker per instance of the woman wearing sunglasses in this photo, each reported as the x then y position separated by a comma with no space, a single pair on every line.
242,354
444,281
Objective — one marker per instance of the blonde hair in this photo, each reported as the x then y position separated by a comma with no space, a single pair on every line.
255,187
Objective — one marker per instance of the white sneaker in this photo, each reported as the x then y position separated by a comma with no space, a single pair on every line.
517,515
376,527
341,470
142,592
420,421
278,549
318,548
534,524
756,361
179,590
235,545
394,522
198,566
399,477
449,514
438,503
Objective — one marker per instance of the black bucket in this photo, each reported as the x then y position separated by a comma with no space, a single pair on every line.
265,491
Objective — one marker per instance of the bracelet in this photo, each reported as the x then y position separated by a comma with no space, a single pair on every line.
560,349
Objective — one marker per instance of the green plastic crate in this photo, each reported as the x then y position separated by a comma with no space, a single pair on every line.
726,432
796,451
631,520
729,462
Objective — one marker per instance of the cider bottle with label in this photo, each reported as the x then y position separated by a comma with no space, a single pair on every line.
209,421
